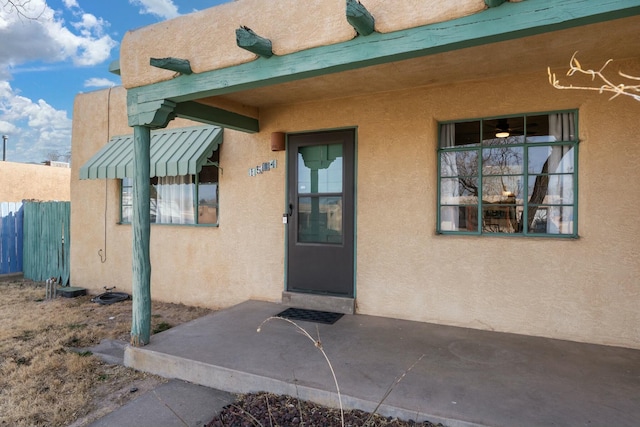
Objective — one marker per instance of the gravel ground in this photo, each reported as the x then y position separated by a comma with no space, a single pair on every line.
270,410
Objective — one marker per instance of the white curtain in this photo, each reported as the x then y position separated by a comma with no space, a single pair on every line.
449,216
562,128
175,200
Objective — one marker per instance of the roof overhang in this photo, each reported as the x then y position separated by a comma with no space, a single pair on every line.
514,37
509,21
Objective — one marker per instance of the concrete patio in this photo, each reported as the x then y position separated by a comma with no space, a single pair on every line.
463,377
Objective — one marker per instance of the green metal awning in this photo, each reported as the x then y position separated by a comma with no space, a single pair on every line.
174,152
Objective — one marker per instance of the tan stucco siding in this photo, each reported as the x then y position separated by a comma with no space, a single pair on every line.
22,181
207,266
207,38
393,16
582,289
93,199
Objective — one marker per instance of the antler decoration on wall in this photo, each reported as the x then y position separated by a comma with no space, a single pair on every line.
608,86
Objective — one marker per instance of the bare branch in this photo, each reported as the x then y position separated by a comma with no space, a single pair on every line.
20,9
608,86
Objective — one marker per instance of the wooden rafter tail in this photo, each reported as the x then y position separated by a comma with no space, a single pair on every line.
248,40
493,3
360,18
174,64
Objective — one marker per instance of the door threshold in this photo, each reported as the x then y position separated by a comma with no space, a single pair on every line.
319,302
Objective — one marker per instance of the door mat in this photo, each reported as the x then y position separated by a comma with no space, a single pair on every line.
306,315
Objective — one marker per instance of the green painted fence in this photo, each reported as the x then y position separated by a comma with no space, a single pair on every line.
46,241
10,237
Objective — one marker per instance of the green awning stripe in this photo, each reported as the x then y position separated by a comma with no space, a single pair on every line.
173,152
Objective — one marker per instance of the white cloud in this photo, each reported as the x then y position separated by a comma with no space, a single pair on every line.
90,47
162,8
89,24
6,127
99,82
24,10
35,129
50,38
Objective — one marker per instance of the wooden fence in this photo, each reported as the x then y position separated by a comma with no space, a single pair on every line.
11,218
46,241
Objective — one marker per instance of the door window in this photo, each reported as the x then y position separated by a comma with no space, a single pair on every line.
319,185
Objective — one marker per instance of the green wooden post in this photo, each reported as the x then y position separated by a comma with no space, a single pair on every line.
143,117
141,287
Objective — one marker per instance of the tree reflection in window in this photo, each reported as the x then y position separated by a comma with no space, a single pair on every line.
522,183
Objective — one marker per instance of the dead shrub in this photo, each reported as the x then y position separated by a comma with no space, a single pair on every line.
44,379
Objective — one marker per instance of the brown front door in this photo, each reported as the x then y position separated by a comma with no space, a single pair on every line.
320,247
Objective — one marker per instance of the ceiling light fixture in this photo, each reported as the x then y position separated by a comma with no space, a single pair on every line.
502,129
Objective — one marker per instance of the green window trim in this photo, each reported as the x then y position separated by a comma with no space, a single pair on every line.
521,183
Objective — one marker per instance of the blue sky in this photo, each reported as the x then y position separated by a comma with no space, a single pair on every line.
51,50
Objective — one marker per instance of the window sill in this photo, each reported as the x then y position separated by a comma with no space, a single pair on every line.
153,224
514,235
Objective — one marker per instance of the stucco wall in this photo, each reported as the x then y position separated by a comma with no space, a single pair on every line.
22,181
208,266
585,289
208,39
582,289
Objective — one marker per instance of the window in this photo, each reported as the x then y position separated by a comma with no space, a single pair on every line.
512,175
186,199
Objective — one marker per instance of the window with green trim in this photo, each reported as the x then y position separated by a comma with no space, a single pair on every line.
186,199
513,175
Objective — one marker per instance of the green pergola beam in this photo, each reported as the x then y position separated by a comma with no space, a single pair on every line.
114,67
507,22
216,116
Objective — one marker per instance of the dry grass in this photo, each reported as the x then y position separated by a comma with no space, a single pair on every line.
43,382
